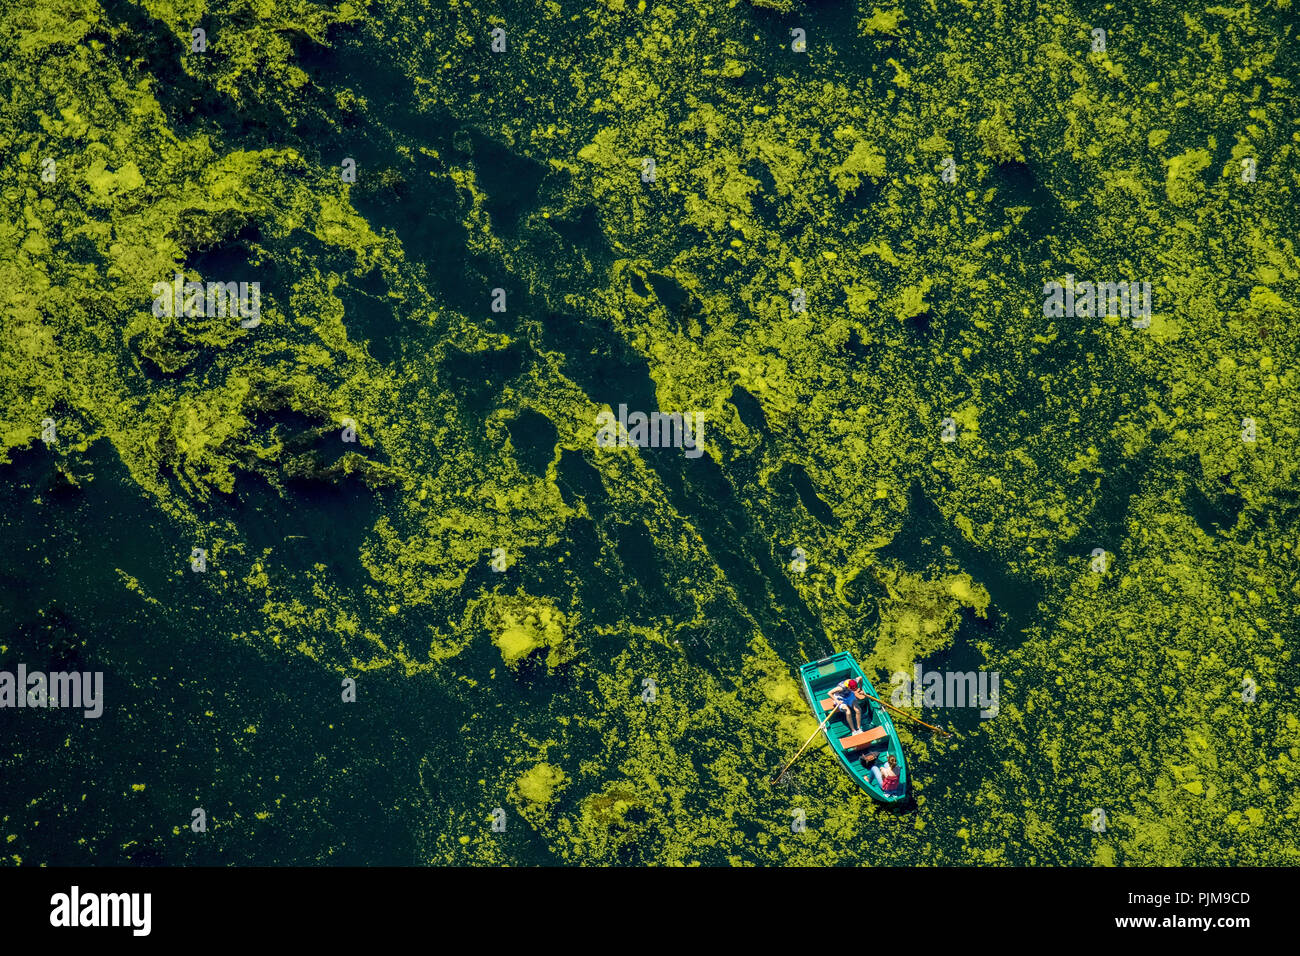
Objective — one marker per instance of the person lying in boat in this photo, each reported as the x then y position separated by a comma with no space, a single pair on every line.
845,698
886,776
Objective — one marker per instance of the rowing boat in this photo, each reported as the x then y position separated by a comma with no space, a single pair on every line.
857,752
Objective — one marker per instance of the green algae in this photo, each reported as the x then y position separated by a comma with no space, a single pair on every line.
538,785
522,626
773,173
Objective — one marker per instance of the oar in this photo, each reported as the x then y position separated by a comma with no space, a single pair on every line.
777,778
907,715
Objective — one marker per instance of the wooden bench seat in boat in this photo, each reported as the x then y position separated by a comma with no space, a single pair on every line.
868,736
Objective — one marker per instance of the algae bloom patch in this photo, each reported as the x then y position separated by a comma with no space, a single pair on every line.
539,784
516,643
521,631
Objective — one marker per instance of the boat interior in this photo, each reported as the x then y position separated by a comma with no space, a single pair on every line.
871,744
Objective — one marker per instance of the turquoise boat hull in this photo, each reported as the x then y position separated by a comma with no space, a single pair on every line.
818,678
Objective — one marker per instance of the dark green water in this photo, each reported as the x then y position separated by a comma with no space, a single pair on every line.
204,709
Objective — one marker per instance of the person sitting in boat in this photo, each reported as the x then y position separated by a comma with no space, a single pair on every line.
886,776
845,697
